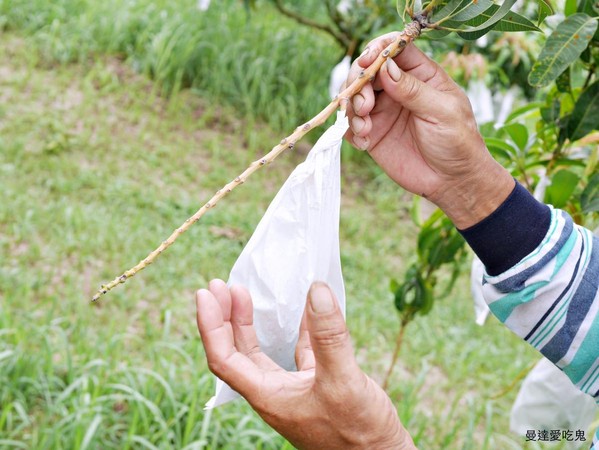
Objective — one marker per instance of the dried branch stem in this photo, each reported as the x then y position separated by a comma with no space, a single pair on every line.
342,38
411,32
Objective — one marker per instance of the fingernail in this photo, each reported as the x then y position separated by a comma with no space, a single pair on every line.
393,69
321,298
364,53
357,123
361,142
358,101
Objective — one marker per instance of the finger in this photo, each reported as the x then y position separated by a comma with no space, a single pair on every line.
244,333
220,290
419,65
411,58
333,351
374,48
361,126
224,360
361,143
363,102
413,94
304,356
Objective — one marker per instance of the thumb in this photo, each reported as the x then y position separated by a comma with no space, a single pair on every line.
331,344
413,94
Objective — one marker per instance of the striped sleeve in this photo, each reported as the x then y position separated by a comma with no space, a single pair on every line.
550,296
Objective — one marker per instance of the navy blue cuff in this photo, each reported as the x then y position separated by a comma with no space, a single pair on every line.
511,232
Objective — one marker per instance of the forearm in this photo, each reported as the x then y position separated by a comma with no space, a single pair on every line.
546,289
510,232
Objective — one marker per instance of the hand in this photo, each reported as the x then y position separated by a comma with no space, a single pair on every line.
418,125
329,403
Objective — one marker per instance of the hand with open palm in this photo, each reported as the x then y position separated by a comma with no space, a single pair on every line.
329,403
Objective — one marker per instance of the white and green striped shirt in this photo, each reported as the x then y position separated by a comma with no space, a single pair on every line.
550,296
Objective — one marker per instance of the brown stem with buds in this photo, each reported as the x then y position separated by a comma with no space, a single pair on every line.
411,32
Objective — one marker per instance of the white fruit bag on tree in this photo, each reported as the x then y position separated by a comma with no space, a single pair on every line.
295,244
338,76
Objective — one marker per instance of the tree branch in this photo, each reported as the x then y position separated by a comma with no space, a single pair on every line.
411,32
342,39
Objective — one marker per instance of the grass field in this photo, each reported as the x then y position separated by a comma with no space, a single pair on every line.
96,168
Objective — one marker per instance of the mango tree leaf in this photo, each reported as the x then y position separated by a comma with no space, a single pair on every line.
510,23
495,17
402,11
591,8
562,48
589,200
585,116
436,34
523,110
446,10
545,9
562,126
550,112
518,133
570,7
563,183
455,13
469,9
563,81
499,147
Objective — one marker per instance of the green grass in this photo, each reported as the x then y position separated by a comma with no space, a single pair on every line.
96,168
251,62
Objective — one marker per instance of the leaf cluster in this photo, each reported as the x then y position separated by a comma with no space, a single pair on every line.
439,244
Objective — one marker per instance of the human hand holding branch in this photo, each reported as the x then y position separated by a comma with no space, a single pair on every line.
418,125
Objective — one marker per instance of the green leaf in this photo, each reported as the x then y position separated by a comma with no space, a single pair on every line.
562,48
394,286
589,200
510,23
562,125
585,116
494,17
591,8
518,133
447,9
545,9
500,147
469,9
402,12
436,34
523,110
550,113
570,7
563,81
563,183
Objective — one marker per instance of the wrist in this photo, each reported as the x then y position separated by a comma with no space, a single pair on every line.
396,437
471,198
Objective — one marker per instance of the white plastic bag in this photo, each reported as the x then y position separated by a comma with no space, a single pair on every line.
481,310
338,76
295,244
549,401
